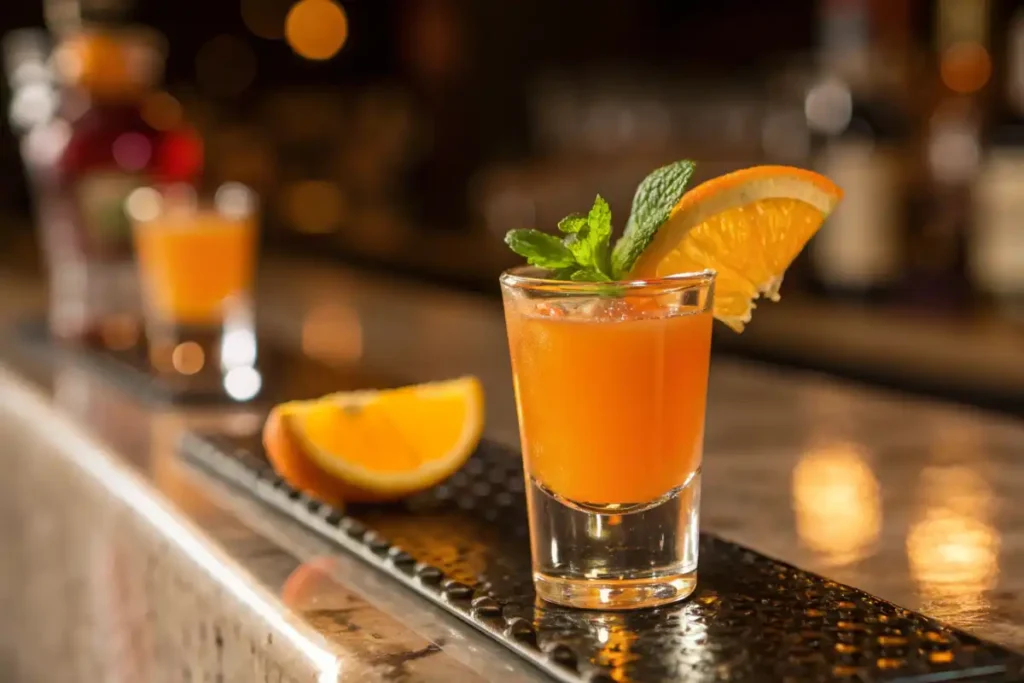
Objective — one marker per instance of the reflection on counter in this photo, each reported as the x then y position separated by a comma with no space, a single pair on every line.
837,502
306,588
953,545
332,333
616,640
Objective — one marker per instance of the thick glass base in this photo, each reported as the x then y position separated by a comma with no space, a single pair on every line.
615,595
206,359
615,556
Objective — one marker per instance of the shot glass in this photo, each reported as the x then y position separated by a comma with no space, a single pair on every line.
196,261
611,386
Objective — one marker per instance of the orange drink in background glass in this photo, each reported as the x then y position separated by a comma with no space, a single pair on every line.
611,386
196,265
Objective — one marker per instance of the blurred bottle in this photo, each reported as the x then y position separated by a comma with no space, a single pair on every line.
950,156
33,105
64,17
996,248
118,138
861,135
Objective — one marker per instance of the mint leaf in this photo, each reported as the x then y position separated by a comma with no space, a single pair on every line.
589,245
572,223
582,255
589,275
600,220
540,249
655,197
565,273
579,244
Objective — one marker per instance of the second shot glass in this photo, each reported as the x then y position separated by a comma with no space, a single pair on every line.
196,258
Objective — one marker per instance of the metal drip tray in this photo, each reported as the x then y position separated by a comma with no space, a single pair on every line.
464,545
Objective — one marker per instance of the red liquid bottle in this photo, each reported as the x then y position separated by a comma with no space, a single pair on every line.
121,135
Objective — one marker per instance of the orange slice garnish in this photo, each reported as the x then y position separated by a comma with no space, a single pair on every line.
748,226
376,445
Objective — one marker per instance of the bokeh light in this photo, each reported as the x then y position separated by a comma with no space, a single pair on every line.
162,111
243,383
316,29
120,332
965,67
265,18
225,66
313,206
235,201
333,333
188,358
837,501
829,107
32,105
132,151
143,204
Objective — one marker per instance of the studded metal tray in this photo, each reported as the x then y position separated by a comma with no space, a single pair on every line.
463,545
285,374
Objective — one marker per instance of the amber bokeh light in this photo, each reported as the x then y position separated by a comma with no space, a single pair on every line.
316,29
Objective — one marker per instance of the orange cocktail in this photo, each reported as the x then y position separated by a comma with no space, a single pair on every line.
195,265
611,410
611,386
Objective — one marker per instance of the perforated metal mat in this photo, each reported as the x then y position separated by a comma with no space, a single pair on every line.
463,545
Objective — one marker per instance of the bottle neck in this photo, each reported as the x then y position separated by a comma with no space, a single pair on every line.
110,66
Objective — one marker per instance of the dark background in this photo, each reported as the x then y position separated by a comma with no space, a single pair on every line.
441,124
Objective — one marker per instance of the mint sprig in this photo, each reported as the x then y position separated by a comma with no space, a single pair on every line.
653,202
540,249
585,254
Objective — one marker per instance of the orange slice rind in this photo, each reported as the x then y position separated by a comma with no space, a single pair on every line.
367,446
748,226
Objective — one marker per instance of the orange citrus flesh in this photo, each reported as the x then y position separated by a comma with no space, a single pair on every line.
748,226
610,412
376,445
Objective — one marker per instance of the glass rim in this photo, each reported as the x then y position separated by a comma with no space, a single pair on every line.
232,200
531,278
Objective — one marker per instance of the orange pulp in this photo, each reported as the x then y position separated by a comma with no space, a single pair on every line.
610,411
194,264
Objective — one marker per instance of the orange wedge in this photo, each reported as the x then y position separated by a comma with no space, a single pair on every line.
748,226
367,446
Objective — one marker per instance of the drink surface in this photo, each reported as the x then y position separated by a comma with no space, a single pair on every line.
611,403
193,265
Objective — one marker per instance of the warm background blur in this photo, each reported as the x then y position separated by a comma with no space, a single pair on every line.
411,134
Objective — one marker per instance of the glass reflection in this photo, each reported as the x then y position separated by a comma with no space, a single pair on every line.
188,358
238,348
243,383
837,502
306,587
616,639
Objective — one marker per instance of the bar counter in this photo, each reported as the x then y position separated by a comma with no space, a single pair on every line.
123,564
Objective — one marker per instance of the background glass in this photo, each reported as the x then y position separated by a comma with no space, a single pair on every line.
196,265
